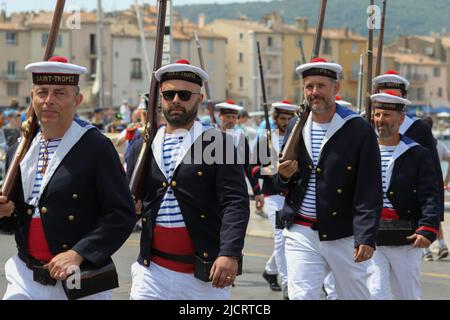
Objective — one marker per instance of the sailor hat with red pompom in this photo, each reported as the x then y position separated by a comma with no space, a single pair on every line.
228,106
390,80
56,71
342,102
182,70
389,100
319,67
284,106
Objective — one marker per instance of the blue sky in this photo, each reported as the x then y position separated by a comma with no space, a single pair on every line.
108,5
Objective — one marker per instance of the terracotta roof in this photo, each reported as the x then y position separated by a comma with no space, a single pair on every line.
408,58
247,24
11,26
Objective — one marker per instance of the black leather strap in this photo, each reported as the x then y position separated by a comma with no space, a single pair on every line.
173,257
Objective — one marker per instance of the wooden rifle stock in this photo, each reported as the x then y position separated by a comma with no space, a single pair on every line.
266,110
292,145
30,125
208,92
151,126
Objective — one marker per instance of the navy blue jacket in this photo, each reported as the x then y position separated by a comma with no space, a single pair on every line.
412,189
421,133
88,205
213,199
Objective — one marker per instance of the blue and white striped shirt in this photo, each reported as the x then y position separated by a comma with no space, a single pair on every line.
169,214
386,156
47,149
308,207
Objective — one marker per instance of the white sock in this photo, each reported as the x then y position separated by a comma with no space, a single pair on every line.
441,243
426,250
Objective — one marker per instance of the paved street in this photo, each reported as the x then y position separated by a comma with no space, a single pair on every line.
435,275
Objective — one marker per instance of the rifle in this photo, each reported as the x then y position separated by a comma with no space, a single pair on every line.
291,147
151,125
208,92
29,126
369,71
380,41
360,81
302,52
266,110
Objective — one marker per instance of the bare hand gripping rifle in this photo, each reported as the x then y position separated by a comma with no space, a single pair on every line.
30,125
207,91
291,148
151,126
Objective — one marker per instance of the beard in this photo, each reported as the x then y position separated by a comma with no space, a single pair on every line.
180,119
321,105
385,131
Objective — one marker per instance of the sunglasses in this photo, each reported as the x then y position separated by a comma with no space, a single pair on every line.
184,95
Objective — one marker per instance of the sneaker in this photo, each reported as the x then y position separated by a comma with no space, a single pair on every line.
443,252
285,293
428,256
272,280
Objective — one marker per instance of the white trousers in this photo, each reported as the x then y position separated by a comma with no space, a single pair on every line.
330,287
395,271
21,285
309,260
159,283
277,262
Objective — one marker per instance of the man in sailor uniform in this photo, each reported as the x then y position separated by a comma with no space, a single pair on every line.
272,197
334,198
71,207
196,209
413,127
409,193
419,131
228,115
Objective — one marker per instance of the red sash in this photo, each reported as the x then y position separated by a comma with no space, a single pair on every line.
173,241
37,242
389,214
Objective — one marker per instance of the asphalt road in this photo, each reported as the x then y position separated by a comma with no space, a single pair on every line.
435,275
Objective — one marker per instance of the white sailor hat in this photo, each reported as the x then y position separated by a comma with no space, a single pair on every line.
228,106
390,80
284,106
389,100
342,102
319,67
57,71
182,70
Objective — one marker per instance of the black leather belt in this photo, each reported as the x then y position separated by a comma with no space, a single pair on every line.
301,220
173,257
40,274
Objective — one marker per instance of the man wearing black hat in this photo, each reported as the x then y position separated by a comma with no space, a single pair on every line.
409,203
196,208
334,198
72,209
